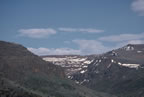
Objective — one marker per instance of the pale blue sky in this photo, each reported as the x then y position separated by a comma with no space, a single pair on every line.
72,26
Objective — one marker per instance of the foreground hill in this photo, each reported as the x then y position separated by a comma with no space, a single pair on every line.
10,89
27,75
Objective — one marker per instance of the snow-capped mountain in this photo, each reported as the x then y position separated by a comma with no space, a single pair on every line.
119,72
71,63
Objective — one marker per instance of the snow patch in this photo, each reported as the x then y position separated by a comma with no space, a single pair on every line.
114,53
99,61
113,61
109,66
139,51
87,62
129,48
69,76
119,63
130,65
83,71
85,80
77,82
85,66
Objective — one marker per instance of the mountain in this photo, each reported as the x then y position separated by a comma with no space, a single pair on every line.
23,74
71,63
119,72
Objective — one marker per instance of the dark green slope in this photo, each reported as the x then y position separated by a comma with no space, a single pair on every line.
26,71
10,89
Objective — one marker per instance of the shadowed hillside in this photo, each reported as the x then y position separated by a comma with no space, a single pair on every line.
27,73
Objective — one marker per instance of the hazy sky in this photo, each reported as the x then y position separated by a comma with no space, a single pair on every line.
72,26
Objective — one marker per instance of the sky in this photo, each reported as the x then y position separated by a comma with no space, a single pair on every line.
61,27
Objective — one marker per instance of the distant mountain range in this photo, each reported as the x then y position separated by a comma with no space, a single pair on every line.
23,74
119,72
71,63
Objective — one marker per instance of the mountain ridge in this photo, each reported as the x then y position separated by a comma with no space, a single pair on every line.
119,72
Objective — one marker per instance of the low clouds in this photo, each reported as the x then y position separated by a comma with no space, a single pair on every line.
37,33
45,32
91,46
136,42
85,47
122,37
52,51
84,30
138,6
